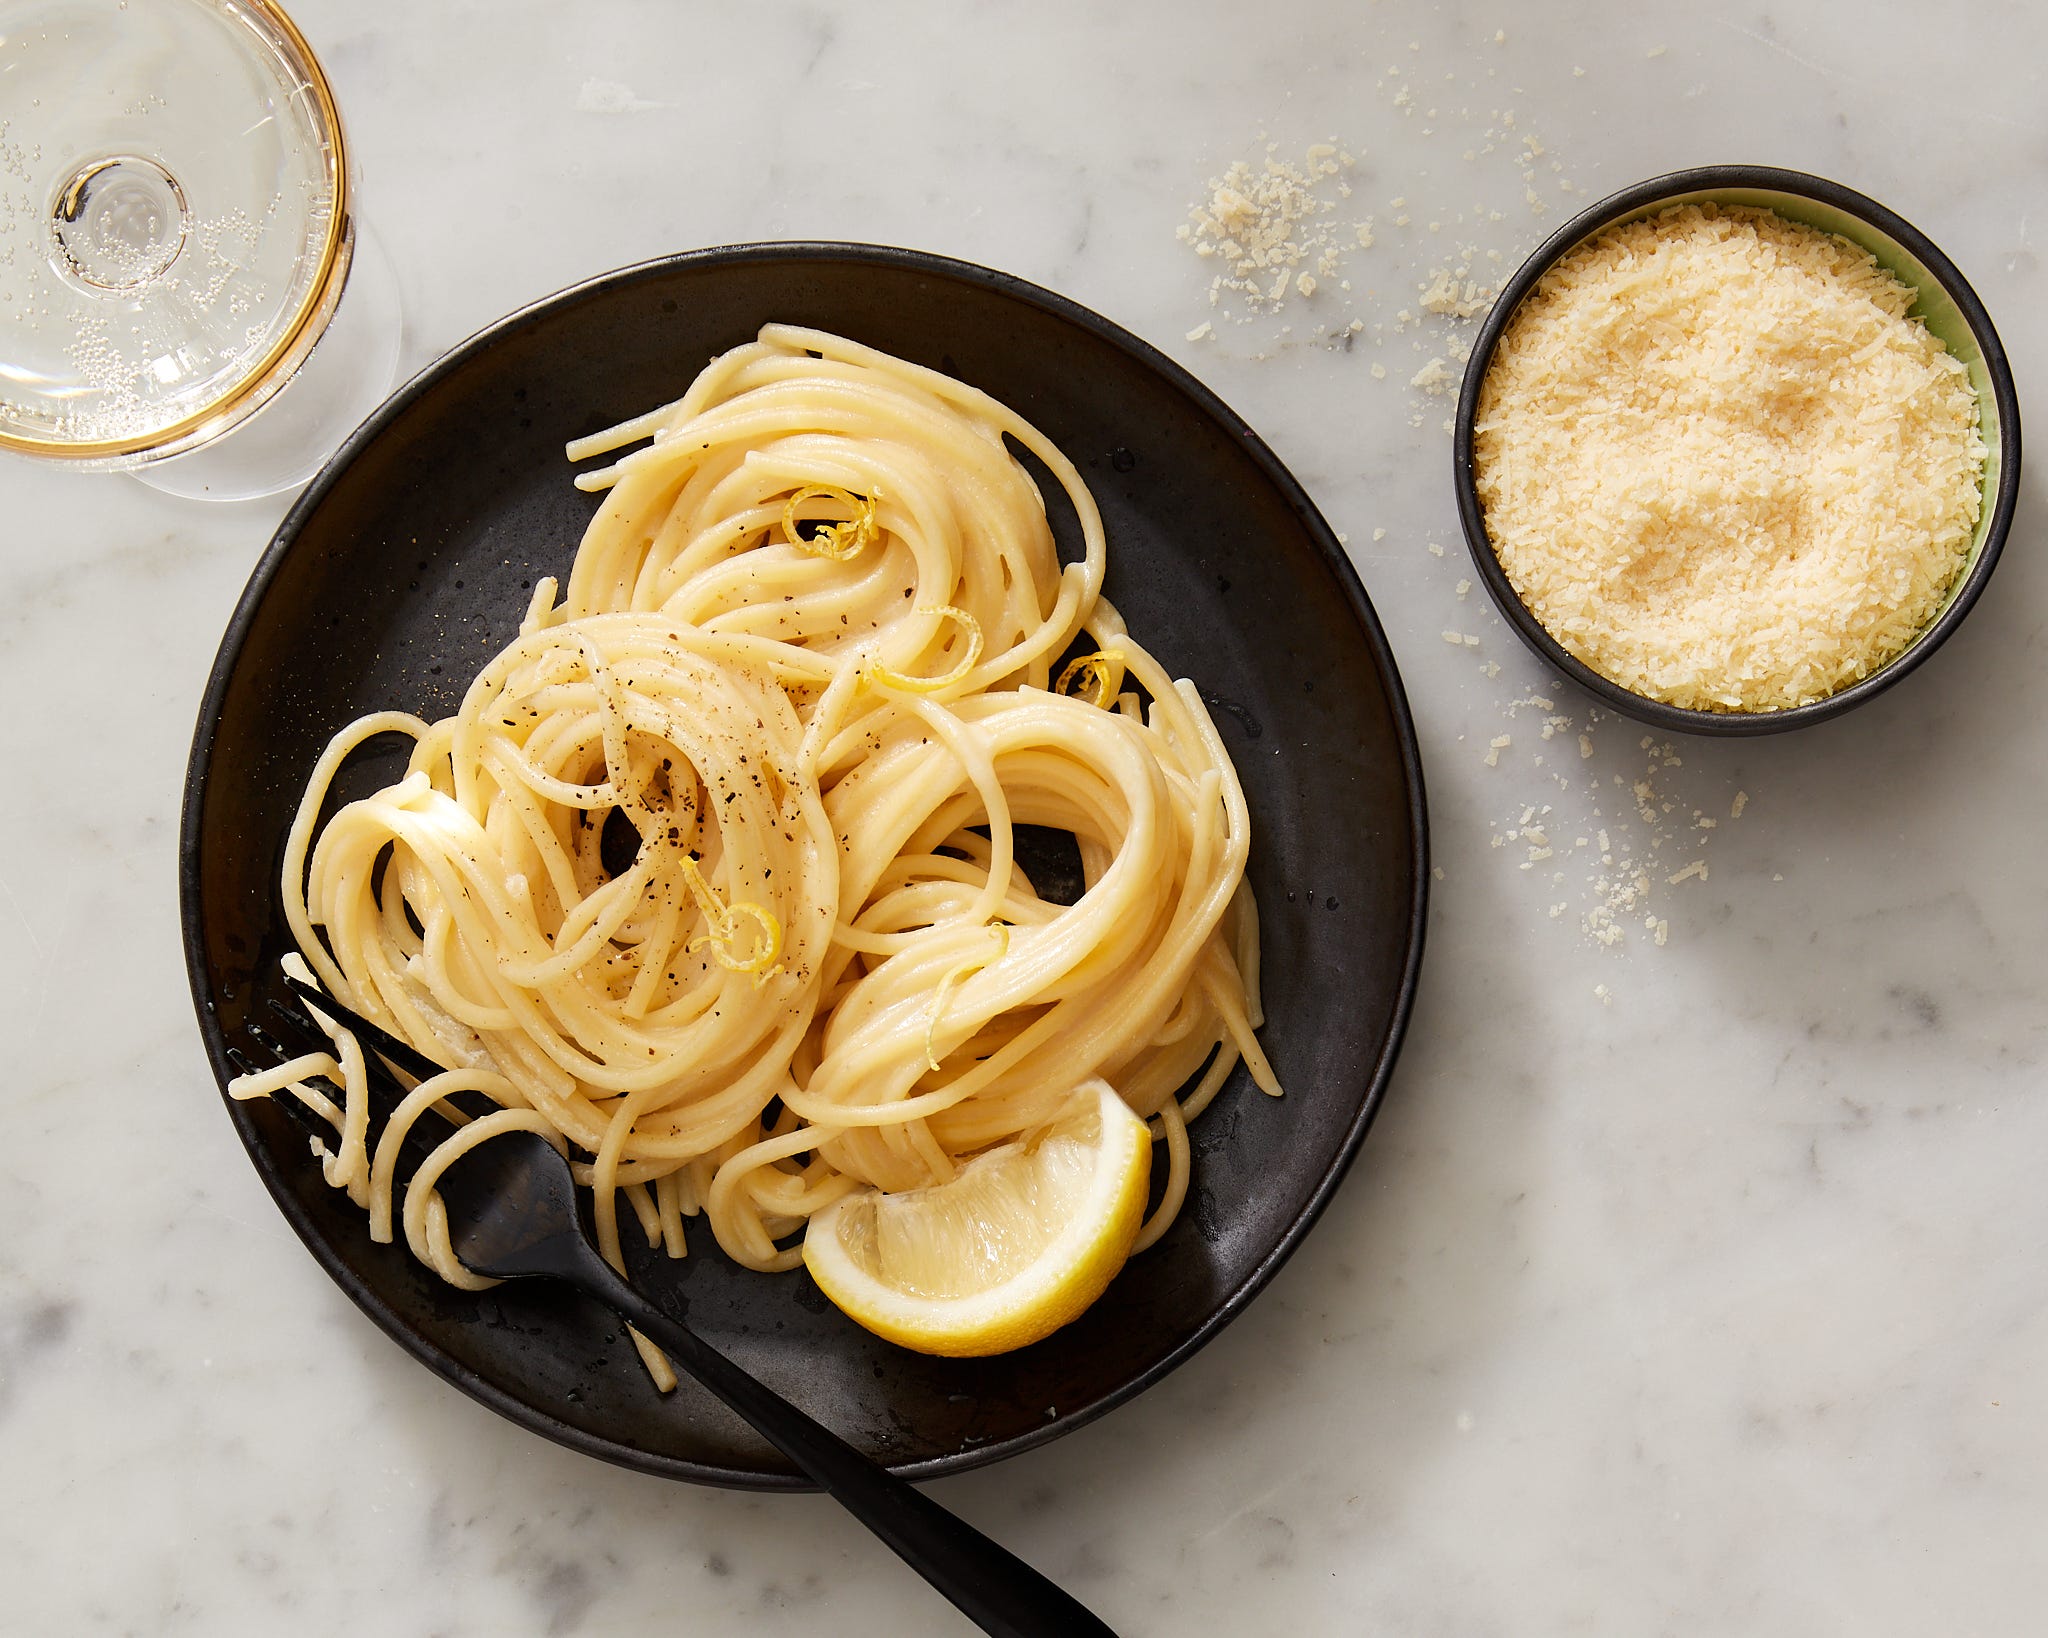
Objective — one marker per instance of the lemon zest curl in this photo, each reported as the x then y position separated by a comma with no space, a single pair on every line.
953,976
1101,673
837,540
722,923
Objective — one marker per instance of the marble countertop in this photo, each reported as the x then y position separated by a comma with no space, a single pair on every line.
1694,1286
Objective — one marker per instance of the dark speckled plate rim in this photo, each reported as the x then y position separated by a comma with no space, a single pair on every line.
935,266
1629,202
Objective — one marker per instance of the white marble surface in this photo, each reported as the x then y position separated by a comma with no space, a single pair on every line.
1718,1308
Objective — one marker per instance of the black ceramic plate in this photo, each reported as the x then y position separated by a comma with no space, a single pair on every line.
409,562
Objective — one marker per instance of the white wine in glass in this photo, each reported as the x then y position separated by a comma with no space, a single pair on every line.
177,233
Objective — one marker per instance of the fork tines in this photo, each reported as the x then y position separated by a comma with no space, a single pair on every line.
385,1089
402,1053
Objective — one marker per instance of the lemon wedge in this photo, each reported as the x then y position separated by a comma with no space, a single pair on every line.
1023,1239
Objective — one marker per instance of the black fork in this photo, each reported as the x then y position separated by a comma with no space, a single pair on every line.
512,1215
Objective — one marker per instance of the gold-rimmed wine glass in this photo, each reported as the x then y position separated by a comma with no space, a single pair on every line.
178,238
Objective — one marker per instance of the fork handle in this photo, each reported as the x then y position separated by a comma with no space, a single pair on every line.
990,1585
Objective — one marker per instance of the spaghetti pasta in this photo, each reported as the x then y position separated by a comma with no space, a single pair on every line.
712,878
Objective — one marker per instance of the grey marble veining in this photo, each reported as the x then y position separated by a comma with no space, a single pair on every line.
1699,1288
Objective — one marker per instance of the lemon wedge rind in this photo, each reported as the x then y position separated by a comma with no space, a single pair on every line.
1019,1243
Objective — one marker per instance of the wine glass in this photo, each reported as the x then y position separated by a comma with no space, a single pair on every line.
177,232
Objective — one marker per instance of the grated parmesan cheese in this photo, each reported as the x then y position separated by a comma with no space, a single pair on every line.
1722,465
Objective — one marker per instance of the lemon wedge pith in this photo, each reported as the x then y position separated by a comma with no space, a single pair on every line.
1023,1239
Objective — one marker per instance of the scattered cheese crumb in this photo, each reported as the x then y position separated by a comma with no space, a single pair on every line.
1697,869
1741,801
1267,227
612,97
1449,297
1201,332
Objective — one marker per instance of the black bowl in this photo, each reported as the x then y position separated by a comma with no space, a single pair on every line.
1947,305
409,562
